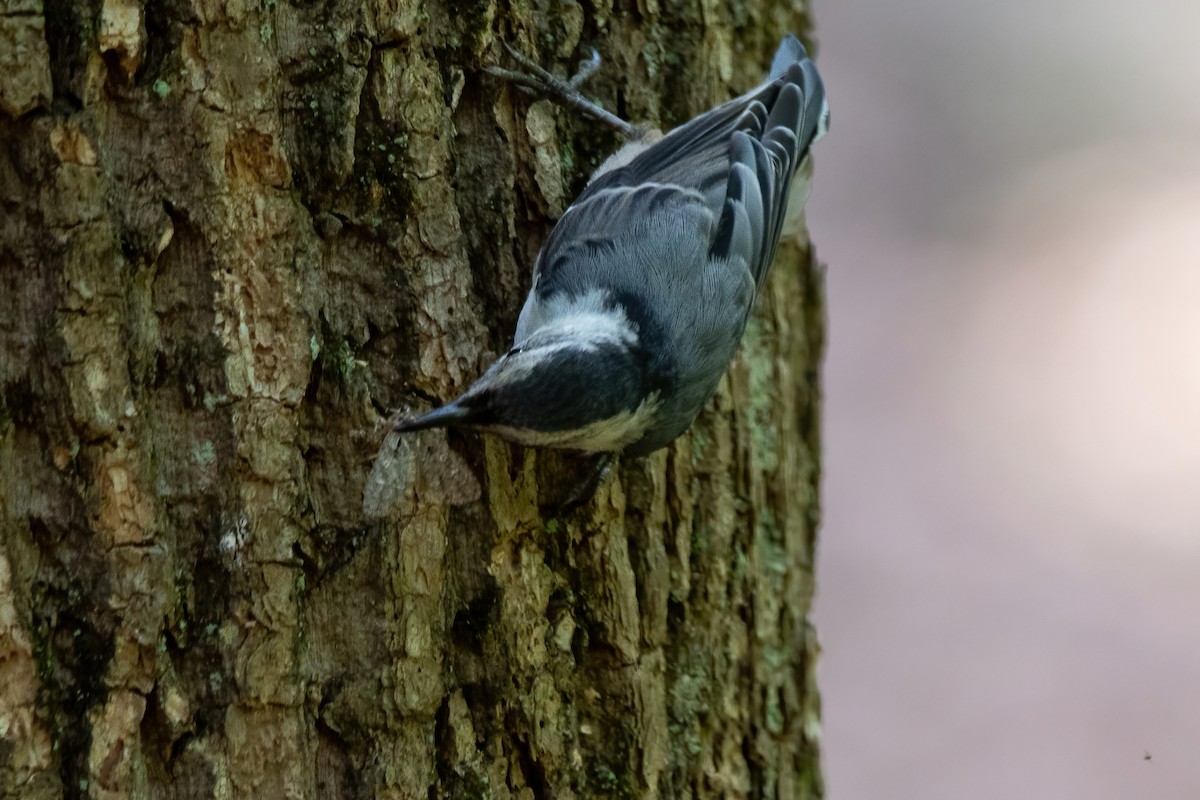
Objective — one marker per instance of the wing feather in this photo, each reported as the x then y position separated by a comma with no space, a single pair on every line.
738,159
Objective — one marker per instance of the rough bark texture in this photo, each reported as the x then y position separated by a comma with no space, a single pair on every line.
233,236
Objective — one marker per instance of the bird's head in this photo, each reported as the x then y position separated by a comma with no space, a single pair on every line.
561,387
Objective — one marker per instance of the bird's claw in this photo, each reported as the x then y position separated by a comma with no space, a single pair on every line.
536,79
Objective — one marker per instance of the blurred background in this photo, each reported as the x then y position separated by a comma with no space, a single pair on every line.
1009,568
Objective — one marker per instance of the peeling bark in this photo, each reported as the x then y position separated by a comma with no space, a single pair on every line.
233,236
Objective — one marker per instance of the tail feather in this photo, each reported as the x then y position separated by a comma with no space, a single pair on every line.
740,158
789,52
764,155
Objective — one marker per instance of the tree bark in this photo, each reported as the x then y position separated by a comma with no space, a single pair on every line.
233,237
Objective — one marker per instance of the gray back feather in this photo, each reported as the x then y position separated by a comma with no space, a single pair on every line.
739,157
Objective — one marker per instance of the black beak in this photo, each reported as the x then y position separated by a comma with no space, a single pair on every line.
447,415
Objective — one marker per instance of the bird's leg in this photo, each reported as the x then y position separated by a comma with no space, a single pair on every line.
538,80
584,490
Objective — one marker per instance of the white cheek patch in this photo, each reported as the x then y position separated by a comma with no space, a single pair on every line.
584,323
603,436
578,323
513,368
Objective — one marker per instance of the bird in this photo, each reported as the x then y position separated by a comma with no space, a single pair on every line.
643,288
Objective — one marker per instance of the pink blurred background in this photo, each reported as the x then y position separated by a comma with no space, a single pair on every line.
1009,568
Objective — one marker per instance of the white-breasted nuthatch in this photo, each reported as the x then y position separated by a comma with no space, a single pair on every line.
641,292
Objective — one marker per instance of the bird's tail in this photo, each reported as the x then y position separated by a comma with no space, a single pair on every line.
816,108
790,51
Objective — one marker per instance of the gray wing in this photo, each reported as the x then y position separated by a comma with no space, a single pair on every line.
622,245
740,157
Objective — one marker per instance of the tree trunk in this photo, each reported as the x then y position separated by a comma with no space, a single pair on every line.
233,237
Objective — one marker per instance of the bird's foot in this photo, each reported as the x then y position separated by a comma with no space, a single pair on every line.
583,491
538,80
